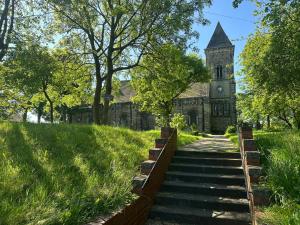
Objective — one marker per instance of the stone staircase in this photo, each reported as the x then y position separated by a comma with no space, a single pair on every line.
202,186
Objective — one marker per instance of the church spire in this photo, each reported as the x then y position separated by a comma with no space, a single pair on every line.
219,39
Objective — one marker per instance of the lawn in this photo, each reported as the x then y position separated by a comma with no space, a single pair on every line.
67,174
280,157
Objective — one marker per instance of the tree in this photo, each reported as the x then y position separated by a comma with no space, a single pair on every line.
39,80
162,77
115,34
7,17
29,72
72,82
270,62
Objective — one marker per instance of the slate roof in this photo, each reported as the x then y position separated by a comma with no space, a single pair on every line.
219,39
126,91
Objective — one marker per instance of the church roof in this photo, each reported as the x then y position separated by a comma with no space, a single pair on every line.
219,38
126,91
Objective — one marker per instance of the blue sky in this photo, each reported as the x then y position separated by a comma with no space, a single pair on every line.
237,23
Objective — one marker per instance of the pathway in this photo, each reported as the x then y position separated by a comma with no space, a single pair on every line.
204,185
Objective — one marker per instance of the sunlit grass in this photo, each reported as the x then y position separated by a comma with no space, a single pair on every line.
280,158
66,174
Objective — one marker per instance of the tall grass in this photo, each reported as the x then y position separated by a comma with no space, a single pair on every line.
280,152
66,174
280,158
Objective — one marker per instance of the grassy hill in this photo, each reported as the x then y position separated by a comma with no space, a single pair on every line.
66,174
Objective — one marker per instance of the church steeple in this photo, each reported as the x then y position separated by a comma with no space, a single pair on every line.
219,38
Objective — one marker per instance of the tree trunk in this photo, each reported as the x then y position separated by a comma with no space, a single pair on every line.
258,125
98,89
40,112
296,115
50,103
268,122
297,122
39,117
97,100
108,84
108,90
51,111
25,115
110,71
283,118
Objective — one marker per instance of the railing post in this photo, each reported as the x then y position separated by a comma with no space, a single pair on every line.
252,170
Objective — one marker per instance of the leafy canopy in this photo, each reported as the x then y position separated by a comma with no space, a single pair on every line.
162,77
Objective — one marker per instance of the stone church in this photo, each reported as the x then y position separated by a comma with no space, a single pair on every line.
211,107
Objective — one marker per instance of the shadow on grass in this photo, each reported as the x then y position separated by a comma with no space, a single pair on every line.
70,173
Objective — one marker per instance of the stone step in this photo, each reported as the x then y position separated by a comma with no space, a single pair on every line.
230,191
198,216
205,178
207,161
196,168
202,201
208,154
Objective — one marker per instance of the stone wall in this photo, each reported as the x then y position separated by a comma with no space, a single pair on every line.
196,111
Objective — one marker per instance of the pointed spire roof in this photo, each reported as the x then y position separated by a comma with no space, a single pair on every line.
219,39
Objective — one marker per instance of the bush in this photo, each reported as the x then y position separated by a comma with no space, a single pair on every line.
230,130
178,121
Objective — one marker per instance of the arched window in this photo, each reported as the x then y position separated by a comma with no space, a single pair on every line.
219,72
221,109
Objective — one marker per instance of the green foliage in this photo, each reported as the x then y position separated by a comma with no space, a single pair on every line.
162,77
39,80
116,34
230,130
272,86
178,121
66,174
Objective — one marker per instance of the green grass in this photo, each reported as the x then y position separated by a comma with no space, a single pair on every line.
233,138
67,174
280,157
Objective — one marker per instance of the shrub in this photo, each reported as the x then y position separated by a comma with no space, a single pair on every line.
230,130
178,121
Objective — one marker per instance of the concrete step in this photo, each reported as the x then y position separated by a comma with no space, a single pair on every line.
230,191
196,168
207,161
208,154
202,201
206,178
198,216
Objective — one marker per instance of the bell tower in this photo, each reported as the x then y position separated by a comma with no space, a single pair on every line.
220,60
